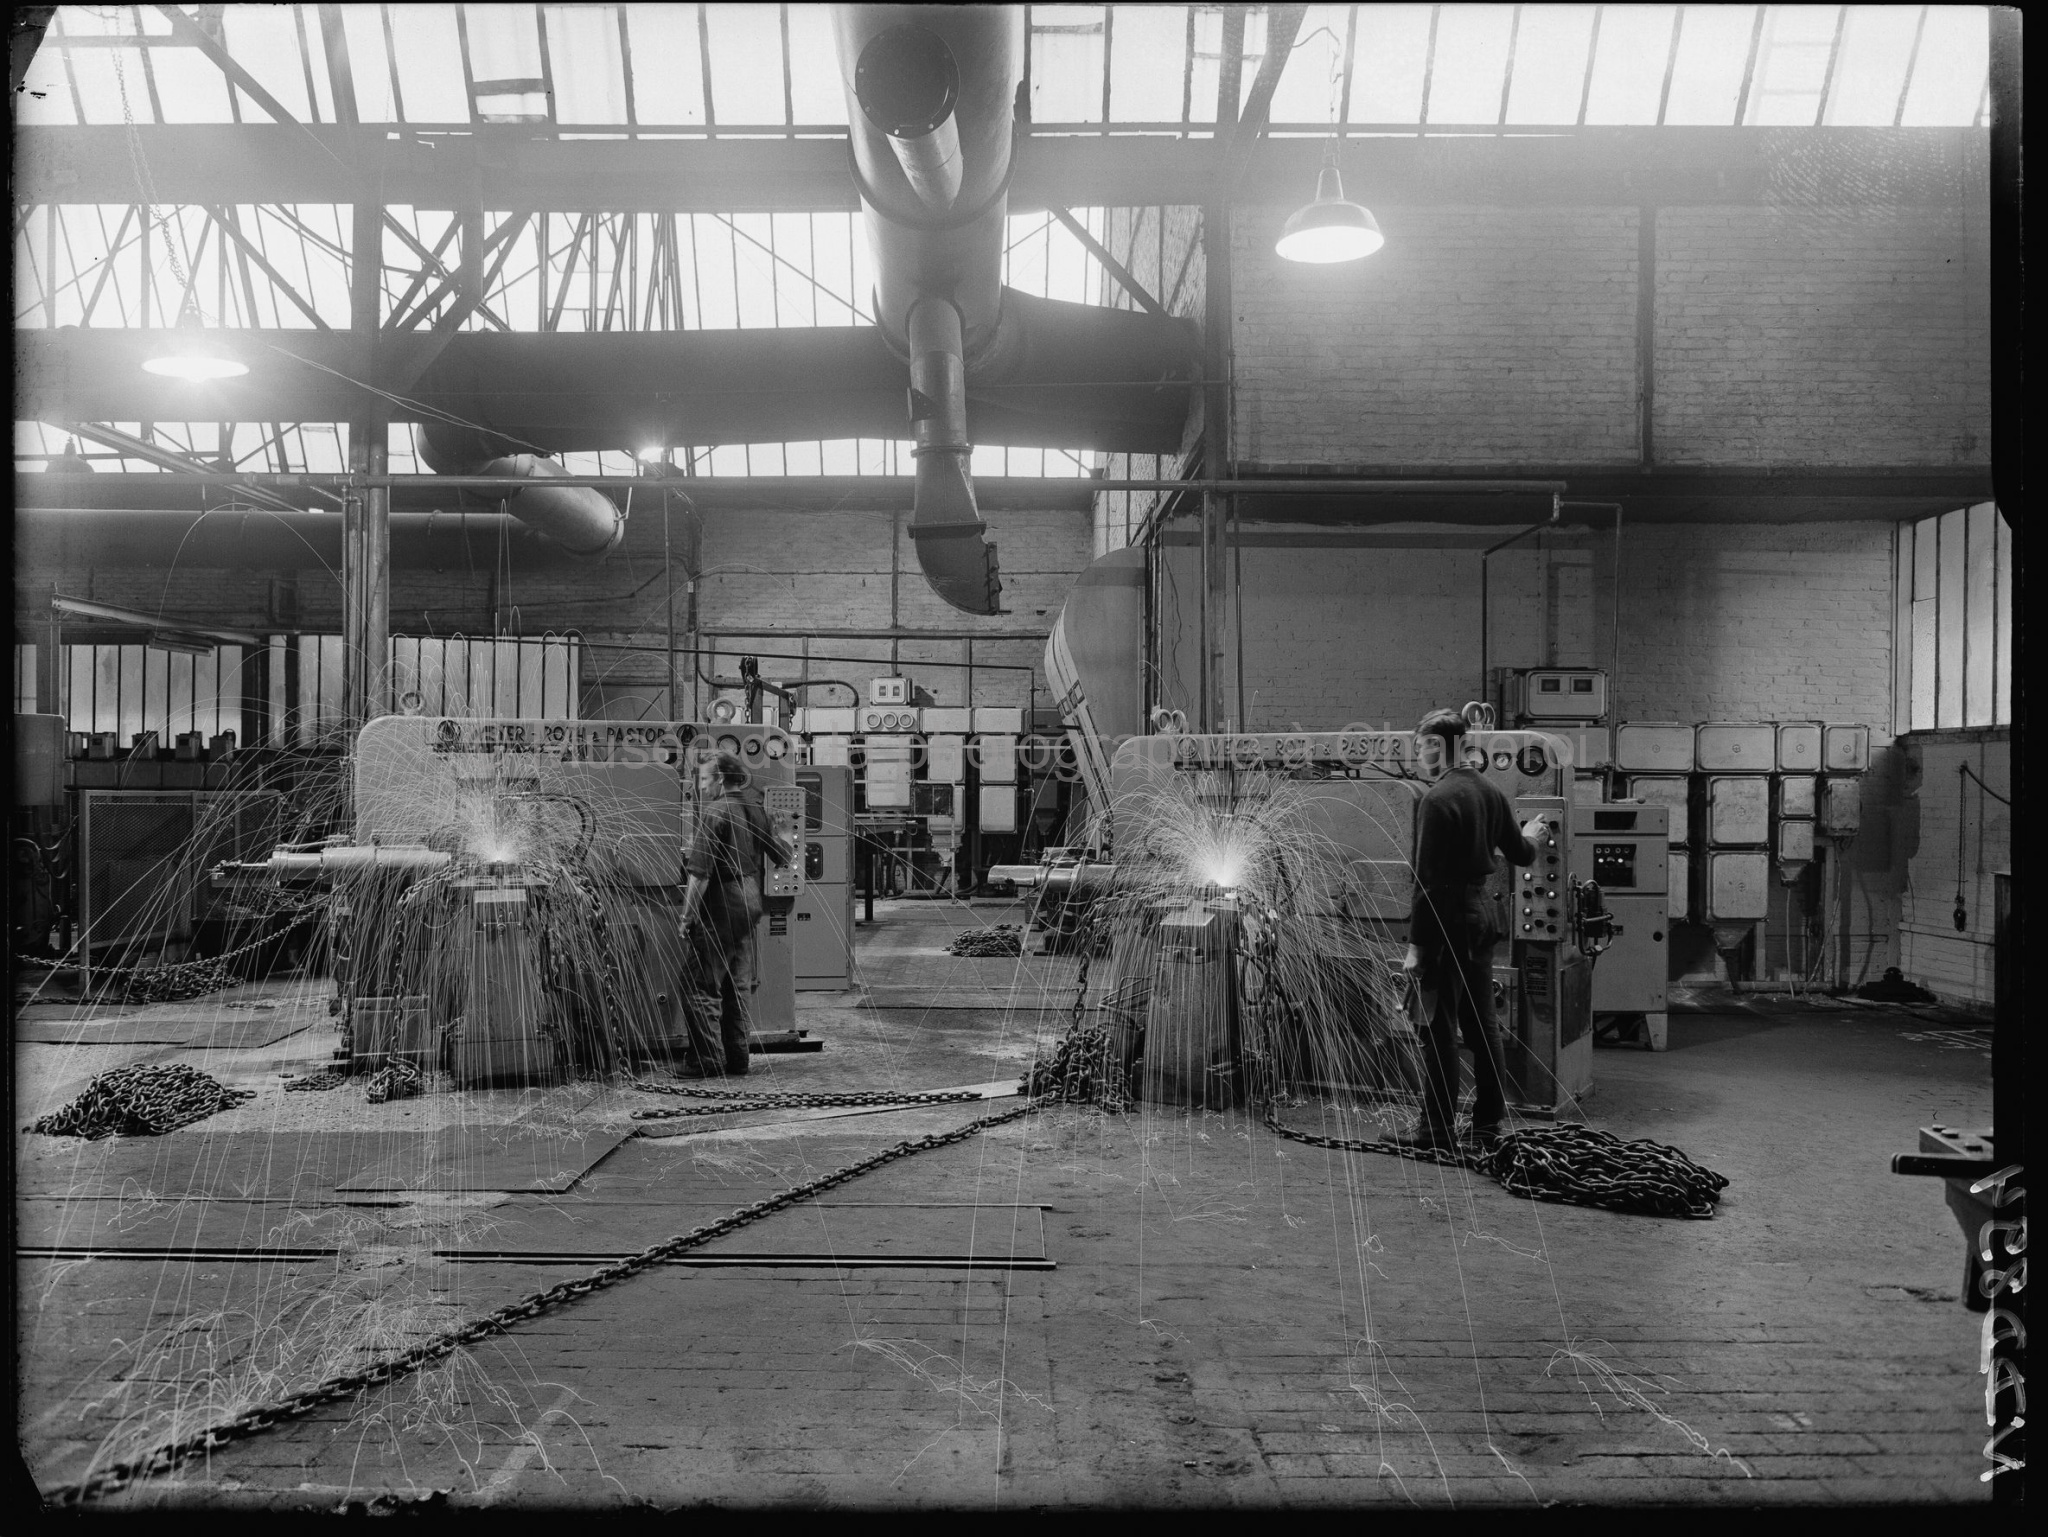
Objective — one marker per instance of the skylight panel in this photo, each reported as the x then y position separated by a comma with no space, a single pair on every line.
1312,79
668,72
506,70
814,84
585,63
1471,58
369,63
1628,64
1387,65
1792,64
429,58
1550,64
1202,72
746,63
1876,43
1148,62
1066,63
1949,75
102,75
1713,53
263,40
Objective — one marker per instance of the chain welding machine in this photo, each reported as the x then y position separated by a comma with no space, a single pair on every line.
509,902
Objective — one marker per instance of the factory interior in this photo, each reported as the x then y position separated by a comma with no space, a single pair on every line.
741,735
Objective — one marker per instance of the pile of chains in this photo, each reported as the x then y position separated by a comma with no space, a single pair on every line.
731,1102
317,1083
1572,1165
180,980
1005,939
400,1078
141,1101
174,1454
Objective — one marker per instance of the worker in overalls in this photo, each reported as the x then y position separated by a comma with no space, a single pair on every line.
721,907
1452,929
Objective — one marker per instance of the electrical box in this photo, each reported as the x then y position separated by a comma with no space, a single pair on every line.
888,722
998,808
1542,889
946,759
1738,886
996,759
1558,693
1671,791
888,776
820,719
1678,878
889,691
831,752
1795,842
1845,749
1841,806
951,720
1734,747
998,720
1738,810
1799,746
1653,747
38,760
1798,795
785,807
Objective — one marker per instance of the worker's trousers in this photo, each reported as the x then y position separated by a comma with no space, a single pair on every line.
718,992
1456,983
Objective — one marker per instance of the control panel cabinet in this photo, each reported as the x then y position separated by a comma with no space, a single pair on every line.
1625,849
1547,1039
821,924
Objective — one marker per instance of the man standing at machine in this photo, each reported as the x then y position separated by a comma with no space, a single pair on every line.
721,906
1452,929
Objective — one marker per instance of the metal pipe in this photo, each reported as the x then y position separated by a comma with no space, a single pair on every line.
797,486
945,527
1485,557
579,518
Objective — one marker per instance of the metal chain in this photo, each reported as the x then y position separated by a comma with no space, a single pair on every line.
141,1100
180,980
731,1102
1086,1067
175,1453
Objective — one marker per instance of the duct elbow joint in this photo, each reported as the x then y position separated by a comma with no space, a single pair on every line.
908,85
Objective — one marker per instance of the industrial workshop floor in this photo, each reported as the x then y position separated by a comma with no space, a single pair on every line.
1073,1309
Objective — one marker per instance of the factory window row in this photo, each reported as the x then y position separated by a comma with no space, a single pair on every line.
1952,649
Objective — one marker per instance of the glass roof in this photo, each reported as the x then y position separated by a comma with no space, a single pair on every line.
753,70
749,69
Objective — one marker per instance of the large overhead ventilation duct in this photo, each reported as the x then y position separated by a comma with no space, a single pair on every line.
581,519
931,97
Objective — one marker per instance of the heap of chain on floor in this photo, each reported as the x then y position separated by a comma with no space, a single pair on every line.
1002,941
142,1100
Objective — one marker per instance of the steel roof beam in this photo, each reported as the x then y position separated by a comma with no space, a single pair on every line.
513,167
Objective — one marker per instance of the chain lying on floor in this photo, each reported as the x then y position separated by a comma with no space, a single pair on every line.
141,1101
1575,1165
1005,939
174,1454
180,981
733,1101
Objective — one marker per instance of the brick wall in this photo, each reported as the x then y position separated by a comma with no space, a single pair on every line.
1817,335
1794,334
1476,335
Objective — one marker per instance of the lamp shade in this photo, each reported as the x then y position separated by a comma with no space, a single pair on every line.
1329,229
193,355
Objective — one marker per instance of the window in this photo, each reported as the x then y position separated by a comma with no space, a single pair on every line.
1952,642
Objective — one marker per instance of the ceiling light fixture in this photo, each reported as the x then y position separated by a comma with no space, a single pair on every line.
1329,229
193,355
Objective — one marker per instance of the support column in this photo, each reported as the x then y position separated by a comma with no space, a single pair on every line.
366,511
1216,506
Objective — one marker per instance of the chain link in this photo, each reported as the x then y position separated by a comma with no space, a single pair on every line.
173,1454
732,1102
141,1100
179,980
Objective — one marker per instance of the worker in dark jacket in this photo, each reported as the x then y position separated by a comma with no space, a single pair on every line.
721,907
1452,929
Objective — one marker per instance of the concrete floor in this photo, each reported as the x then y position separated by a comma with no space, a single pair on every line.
1158,1308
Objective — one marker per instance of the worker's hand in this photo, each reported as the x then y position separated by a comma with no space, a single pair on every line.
1411,963
1534,830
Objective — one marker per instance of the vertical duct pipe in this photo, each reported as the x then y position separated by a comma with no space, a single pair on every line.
931,95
